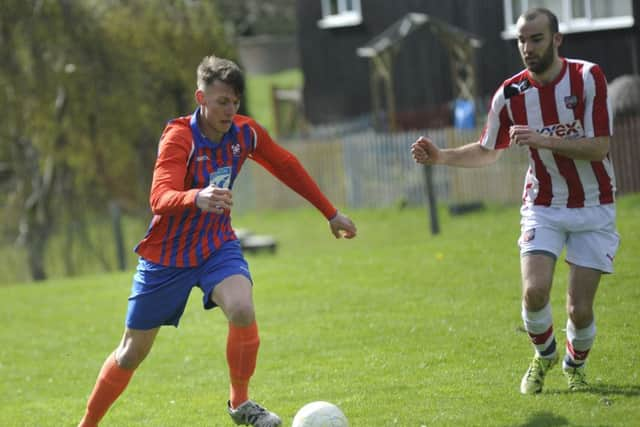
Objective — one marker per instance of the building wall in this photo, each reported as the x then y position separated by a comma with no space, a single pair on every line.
268,54
337,83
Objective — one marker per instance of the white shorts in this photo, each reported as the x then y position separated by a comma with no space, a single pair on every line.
589,234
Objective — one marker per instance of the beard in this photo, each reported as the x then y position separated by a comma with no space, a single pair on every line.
543,62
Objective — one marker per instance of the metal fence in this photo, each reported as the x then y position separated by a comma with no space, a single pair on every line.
369,169
355,170
625,153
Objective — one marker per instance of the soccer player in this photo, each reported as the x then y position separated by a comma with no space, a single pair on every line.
557,108
190,241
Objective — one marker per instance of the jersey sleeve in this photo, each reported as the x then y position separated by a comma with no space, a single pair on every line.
495,135
169,193
287,168
597,117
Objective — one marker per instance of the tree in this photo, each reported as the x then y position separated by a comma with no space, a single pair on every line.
258,17
89,85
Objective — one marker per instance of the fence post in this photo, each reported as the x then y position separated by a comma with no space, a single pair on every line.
116,218
431,198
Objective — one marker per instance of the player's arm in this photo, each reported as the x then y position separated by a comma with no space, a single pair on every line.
591,149
472,155
484,152
287,168
168,193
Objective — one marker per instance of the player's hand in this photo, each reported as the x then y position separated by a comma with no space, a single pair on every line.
525,136
424,151
214,199
342,226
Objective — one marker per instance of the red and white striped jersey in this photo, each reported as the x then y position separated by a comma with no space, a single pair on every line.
574,105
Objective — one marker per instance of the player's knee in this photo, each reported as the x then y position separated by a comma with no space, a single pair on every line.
241,313
535,299
581,315
130,356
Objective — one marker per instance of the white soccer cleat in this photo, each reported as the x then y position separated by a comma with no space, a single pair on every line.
252,414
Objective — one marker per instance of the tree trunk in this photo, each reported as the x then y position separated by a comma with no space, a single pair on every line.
36,249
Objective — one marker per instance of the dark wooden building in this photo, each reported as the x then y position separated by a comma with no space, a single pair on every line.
337,80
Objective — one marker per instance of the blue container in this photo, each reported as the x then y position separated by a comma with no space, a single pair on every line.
464,114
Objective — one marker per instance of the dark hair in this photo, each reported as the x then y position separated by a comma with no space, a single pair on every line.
212,68
533,13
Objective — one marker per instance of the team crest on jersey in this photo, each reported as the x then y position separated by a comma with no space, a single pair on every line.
571,101
235,149
529,235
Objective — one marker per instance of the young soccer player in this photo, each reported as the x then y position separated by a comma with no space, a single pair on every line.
558,108
190,241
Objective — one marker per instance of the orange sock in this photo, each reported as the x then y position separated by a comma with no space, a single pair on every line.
110,384
242,352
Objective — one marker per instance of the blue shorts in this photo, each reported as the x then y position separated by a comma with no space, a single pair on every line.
159,294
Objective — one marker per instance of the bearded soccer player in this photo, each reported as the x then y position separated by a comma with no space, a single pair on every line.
557,108
190,241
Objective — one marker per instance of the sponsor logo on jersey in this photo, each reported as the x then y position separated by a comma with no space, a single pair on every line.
202,158
221,178
564,130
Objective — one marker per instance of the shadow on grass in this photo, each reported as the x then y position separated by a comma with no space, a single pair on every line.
617,390
604,390
546,419
607,393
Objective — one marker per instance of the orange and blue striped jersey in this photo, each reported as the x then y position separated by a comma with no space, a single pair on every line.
181,234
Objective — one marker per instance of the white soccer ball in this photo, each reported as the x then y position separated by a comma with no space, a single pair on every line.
320,414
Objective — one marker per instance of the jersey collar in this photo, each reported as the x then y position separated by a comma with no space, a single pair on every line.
201,137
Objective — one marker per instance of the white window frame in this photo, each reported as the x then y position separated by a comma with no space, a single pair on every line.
344,17
568,24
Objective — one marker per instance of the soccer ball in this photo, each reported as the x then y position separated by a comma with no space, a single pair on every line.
320,414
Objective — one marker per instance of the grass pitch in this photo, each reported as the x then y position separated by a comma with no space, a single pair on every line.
397,327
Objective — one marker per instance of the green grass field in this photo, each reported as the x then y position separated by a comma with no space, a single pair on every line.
397,327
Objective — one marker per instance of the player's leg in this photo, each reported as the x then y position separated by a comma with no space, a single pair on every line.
234,297
581,327
116,372
134,347
583,284
541,242
158,297
591,248
227,283
537,277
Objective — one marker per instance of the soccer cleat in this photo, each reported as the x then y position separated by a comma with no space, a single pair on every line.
252,414
576,378
533,379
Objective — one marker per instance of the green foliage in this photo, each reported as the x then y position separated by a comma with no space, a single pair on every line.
260,102
89,86
397,327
